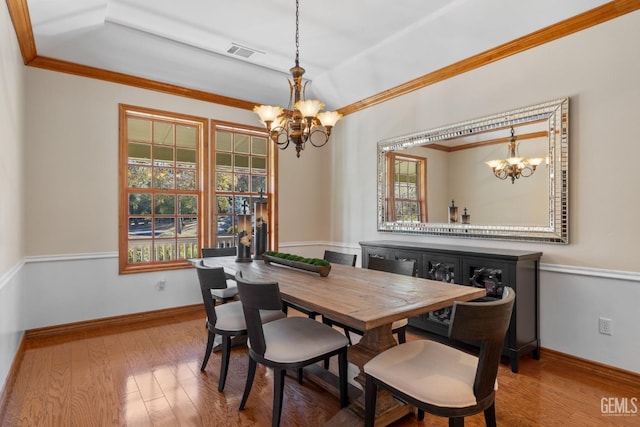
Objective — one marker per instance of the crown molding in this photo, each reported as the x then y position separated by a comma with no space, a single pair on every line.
19,12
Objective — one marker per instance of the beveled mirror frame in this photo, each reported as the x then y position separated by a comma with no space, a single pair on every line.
556,113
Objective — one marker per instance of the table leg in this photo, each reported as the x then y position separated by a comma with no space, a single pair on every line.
374,342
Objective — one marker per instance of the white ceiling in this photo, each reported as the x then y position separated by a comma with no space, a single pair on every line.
351,49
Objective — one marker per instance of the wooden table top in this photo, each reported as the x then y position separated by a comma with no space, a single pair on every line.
361,298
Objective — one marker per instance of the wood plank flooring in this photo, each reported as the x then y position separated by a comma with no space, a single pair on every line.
148,375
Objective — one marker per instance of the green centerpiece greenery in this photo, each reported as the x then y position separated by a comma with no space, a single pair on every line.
316,265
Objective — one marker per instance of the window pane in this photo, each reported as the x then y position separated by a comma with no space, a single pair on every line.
259,165
138,130
139,153
163,133
139,177
242,143
164,227
187,249
165,204
223,204
242,205
163,156
259,146
188,227
139,252
225,225
139,227
188,204
223,141
242,183
186,136
186,180
223,161
186,158
224,181
163,178
140,204
242,163
258,184
164,250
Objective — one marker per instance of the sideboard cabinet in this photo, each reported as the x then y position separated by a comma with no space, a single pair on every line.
475,266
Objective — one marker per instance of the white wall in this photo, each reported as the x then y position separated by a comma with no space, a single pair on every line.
12,122
599,69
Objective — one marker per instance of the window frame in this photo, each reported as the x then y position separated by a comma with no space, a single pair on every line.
126,111
421,185
205,189
272,179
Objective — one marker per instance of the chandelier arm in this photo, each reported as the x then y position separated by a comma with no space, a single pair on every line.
320,131
529,171
276,135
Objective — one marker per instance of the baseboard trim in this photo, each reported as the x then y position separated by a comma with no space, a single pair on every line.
12,375
112,322
606,372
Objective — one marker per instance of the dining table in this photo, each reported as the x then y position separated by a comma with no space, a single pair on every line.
362,299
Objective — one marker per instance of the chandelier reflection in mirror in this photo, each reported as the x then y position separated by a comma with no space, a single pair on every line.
301,121
514,166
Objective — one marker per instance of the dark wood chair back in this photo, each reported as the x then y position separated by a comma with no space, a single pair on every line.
256,296
215,252
398,266
486,322
210,278
340,258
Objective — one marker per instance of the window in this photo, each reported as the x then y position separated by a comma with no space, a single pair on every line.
242,175
407,192
171,202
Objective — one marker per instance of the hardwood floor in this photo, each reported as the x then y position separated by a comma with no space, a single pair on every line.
148,375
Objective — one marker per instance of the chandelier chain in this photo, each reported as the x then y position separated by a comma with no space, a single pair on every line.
302,121
297,32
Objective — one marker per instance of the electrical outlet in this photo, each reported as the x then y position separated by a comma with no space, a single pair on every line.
161,284
605,326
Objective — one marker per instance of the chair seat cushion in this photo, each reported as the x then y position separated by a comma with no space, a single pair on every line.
431,372
399,324
295,339
229,292
231,317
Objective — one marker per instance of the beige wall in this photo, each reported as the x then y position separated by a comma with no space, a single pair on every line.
72,164
598,69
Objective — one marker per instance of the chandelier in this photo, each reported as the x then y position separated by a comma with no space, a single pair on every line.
514,166
301,121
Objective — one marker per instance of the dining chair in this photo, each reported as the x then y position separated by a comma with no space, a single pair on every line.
287,343
226,320
231,290
440,379
340,258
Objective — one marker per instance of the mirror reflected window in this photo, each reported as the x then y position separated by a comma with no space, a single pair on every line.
407,201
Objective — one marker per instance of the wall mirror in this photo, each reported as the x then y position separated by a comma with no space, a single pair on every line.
438,181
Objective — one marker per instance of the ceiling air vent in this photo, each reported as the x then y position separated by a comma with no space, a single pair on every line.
242,51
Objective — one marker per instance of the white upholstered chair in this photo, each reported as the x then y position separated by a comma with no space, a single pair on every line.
288,343
230,291
440,379
226,320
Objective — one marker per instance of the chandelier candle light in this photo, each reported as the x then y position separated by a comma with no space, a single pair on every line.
514,166
301,121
